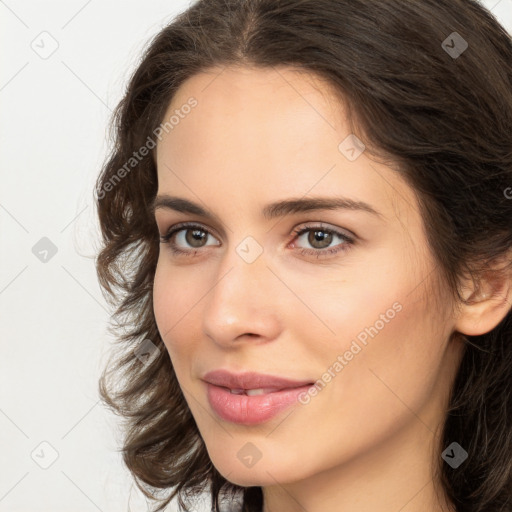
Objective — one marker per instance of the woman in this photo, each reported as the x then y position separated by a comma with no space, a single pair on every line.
307,229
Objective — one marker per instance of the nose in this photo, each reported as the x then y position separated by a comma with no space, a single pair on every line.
242,305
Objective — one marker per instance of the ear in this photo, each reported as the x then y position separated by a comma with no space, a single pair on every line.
487,302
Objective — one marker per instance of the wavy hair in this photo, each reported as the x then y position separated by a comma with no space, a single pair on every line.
436,103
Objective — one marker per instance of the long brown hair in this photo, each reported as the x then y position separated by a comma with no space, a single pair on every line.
429,86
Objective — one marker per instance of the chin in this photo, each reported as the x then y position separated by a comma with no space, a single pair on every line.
249,477
263,472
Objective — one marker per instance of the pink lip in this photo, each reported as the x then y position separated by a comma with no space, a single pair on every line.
250,380
251,410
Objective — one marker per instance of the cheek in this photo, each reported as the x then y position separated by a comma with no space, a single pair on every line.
388,338
363,303
162,299
170,304
392,356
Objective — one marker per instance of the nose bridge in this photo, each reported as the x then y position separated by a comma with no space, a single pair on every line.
240,301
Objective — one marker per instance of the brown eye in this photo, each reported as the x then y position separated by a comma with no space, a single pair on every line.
186,237
195,237
320,239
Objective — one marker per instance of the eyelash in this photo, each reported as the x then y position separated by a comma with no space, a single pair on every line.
318,253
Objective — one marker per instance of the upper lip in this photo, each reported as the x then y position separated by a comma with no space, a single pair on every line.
251,380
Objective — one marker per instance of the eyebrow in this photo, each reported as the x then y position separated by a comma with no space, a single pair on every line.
270,211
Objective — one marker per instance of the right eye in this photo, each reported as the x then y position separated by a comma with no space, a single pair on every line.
183,234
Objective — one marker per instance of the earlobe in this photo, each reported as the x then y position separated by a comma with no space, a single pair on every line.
487,304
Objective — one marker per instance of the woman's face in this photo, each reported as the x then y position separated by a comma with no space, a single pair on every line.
347,305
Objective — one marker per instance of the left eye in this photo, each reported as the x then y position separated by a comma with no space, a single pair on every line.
319,237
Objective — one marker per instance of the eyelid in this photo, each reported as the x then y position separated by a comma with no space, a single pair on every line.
328,227
187,224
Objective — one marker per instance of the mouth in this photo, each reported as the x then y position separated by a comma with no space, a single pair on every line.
252,405
251,383
258,391
251,398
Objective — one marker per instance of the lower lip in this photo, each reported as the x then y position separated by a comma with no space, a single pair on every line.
251,410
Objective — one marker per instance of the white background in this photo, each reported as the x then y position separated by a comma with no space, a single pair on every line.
54,116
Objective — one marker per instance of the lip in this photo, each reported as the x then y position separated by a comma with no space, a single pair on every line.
243,409
251,380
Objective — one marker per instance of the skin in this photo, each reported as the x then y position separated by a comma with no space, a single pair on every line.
365,441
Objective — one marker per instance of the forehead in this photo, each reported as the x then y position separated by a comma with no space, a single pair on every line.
265,134
242,84
252,110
